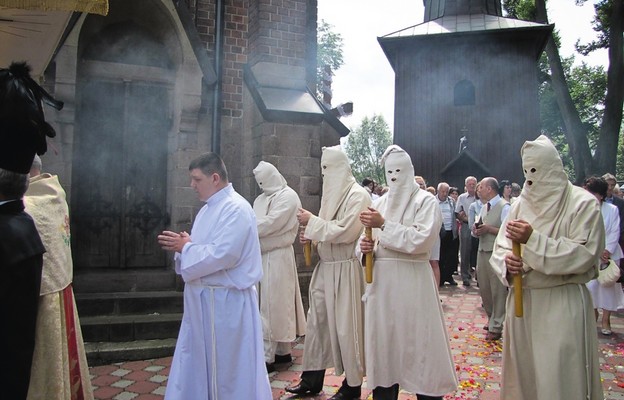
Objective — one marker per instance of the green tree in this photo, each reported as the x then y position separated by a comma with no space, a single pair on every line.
328,52
365,145
581,107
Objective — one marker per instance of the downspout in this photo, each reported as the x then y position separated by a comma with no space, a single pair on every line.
216,109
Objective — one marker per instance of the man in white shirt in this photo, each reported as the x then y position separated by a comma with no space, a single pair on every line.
219,353
449,244
462,209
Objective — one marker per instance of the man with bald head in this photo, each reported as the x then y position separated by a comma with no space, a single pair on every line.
493,292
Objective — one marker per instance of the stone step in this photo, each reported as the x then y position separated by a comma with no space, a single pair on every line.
112,280
99,304
126,328
103,353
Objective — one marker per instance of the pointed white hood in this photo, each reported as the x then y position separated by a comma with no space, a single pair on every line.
269,178
400,178
546,185
337,181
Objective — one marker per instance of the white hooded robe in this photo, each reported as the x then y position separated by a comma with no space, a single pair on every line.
281,307
552,351
406,337
335,327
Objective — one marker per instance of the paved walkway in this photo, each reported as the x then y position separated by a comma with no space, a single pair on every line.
478,362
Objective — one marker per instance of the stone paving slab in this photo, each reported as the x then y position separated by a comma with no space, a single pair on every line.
478,363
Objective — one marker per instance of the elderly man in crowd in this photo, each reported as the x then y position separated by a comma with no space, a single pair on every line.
462,209
493,292
449,244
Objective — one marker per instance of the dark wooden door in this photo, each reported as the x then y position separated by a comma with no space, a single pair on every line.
119,182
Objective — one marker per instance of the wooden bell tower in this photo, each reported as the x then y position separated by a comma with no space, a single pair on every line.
466,68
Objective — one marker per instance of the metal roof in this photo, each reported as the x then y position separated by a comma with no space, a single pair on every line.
462,23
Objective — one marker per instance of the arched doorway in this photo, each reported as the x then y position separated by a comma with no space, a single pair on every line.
123,121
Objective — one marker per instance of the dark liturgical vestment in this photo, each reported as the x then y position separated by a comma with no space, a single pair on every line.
21,260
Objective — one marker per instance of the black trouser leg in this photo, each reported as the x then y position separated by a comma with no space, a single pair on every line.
425,397
386,393
351,391
313,379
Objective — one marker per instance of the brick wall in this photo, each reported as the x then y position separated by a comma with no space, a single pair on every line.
277,31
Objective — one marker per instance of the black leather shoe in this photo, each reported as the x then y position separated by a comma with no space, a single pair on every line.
302,388
286,358
344,396
269,367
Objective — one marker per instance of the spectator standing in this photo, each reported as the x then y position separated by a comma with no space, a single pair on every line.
493,292
449,243
465,238
607,298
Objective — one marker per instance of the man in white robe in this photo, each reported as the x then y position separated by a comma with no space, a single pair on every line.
281,307
219,350
406,341
551,352
334,331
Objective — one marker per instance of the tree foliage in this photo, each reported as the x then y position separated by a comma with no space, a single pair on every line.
365,145
581,106
328,51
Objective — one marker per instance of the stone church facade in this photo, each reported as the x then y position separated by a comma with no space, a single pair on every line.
148,88
140,91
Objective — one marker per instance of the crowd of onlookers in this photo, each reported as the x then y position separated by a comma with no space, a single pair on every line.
457,251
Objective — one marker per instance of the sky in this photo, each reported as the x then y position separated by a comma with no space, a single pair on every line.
367,79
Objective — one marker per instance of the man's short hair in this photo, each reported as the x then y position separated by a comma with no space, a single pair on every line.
598,185
13,185
470,178
609,177
210,163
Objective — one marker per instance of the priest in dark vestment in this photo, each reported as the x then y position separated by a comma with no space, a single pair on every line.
23,132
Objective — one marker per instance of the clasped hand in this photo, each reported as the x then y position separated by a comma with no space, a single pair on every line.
371,218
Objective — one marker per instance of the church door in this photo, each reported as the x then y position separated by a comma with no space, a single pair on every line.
119,181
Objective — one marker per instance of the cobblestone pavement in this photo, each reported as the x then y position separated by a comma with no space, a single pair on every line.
478,362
